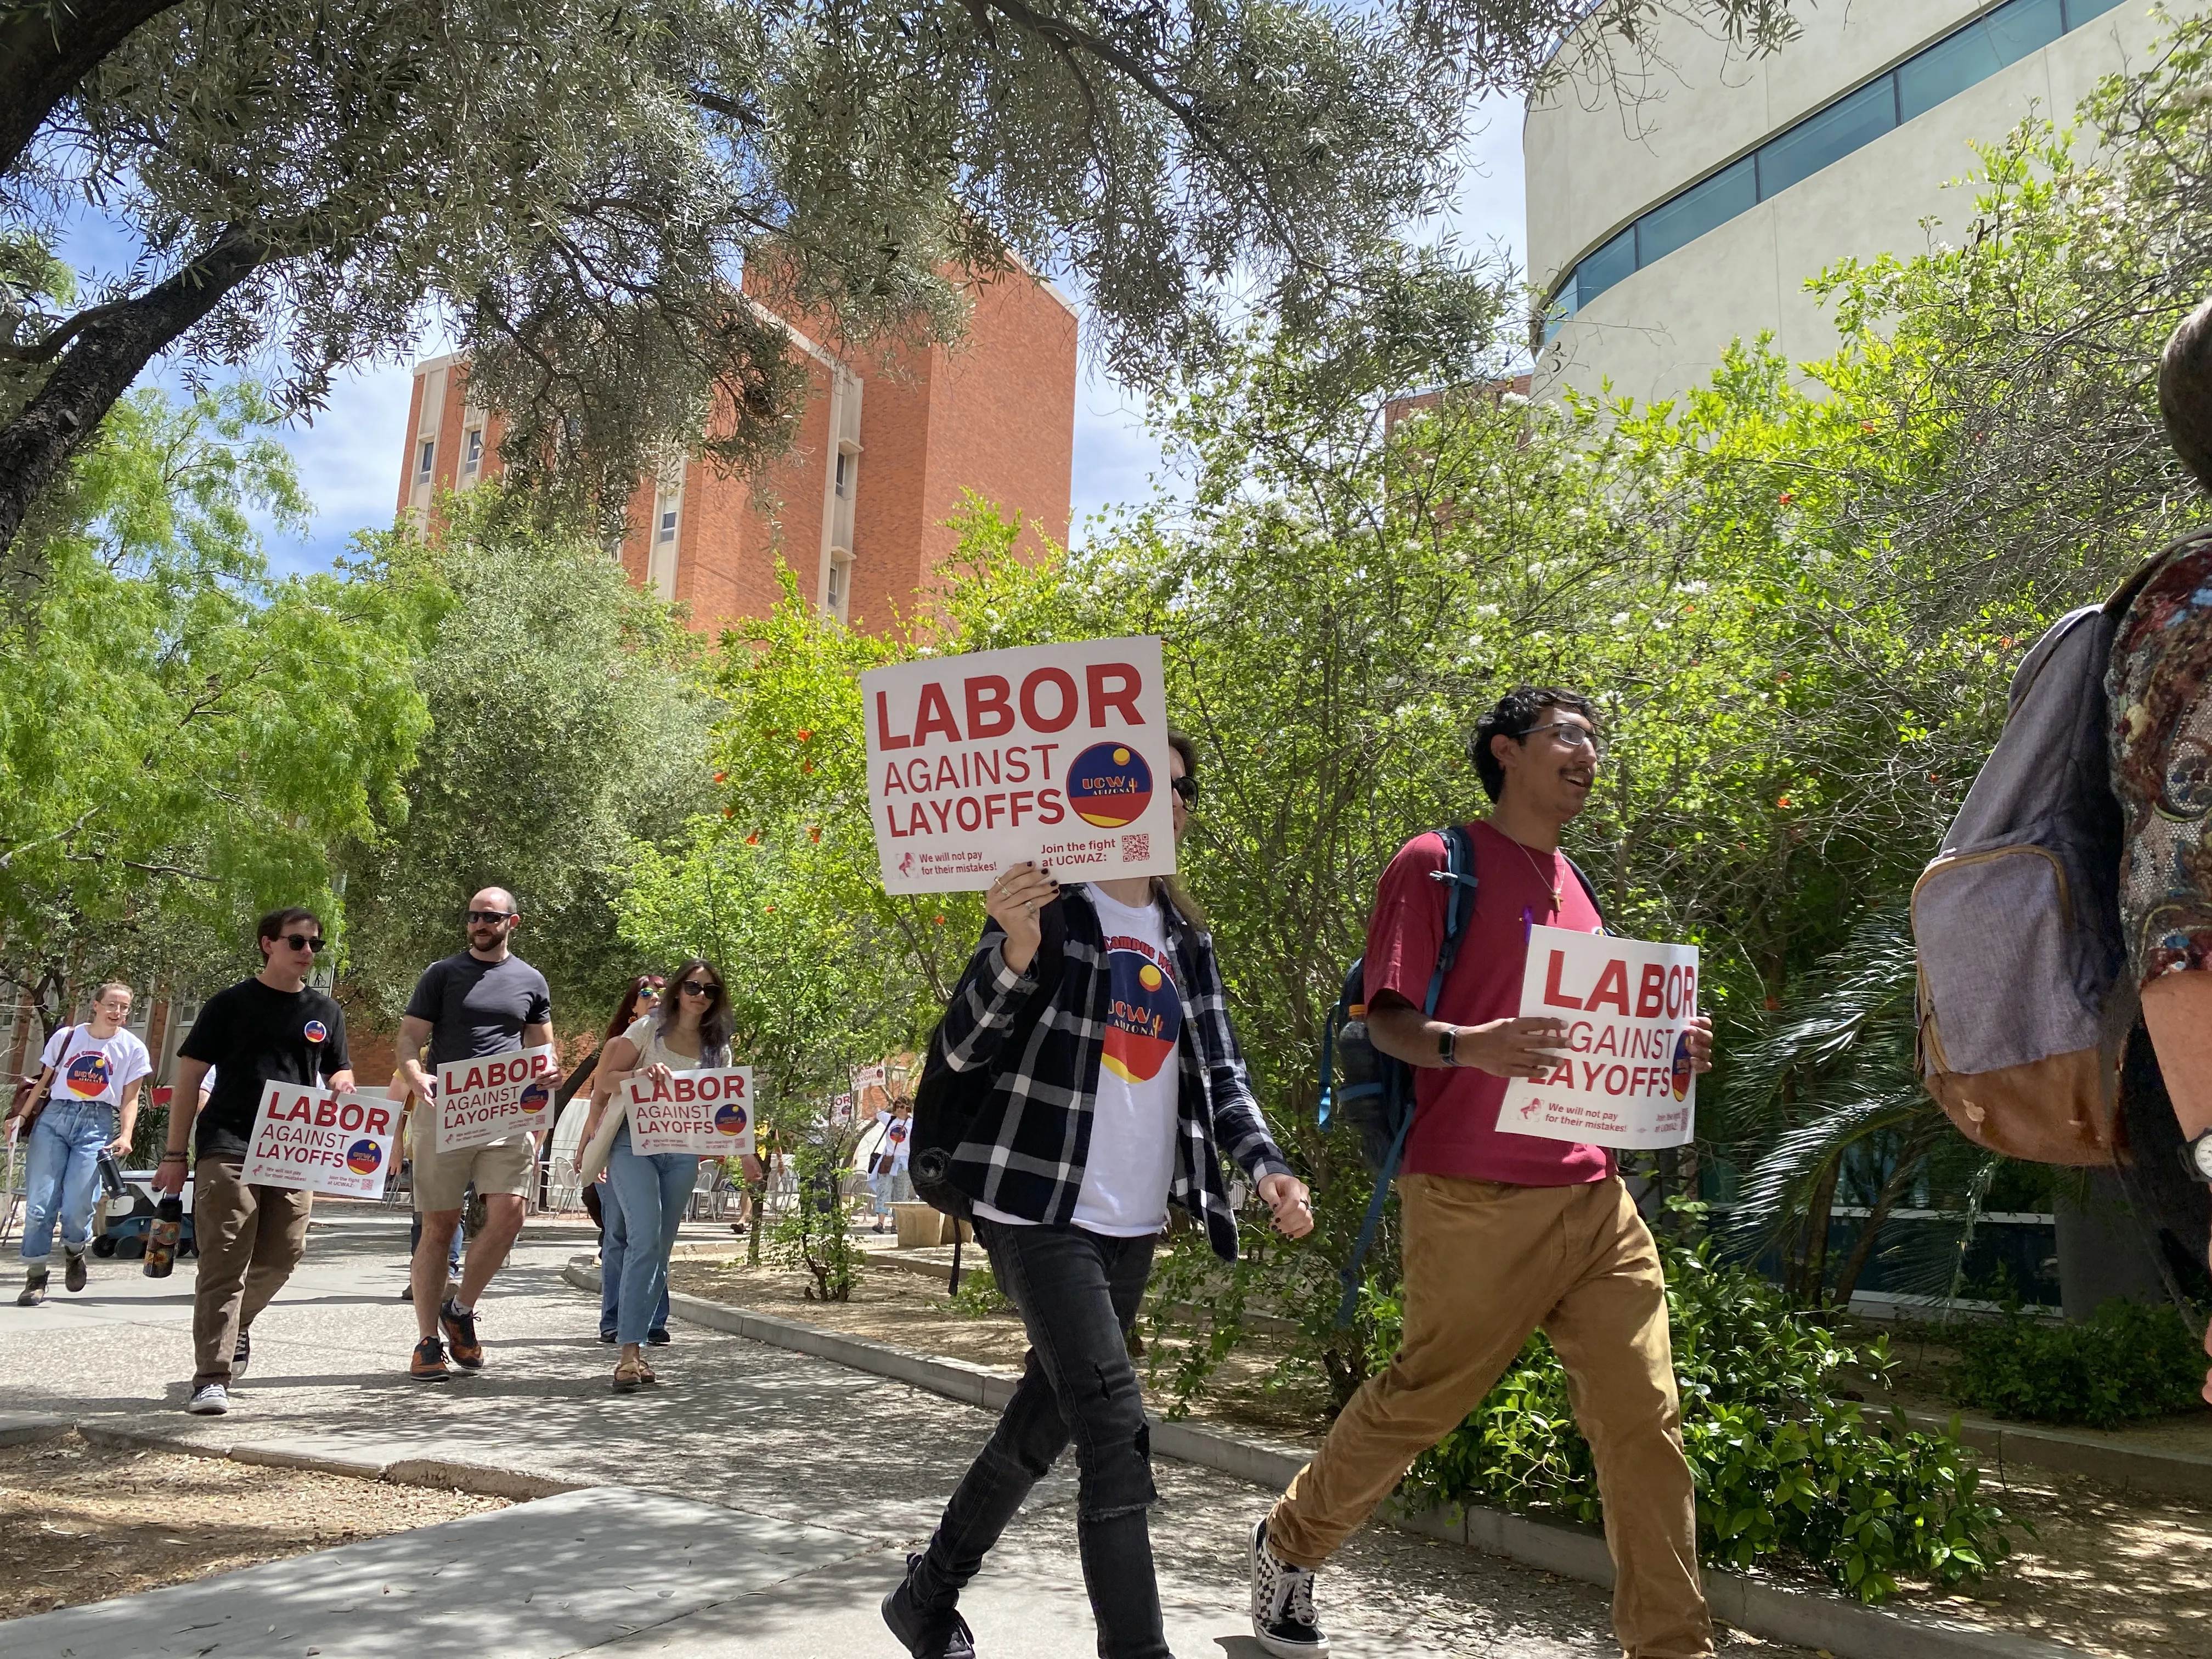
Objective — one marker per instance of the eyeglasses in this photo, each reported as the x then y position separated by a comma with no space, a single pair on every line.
700,988
1186,790
302,942
1575,736
495,917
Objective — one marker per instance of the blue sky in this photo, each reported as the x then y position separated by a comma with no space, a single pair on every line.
349,458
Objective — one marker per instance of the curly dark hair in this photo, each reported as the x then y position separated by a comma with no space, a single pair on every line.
1517,713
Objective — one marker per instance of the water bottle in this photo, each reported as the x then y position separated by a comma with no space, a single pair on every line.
162,1237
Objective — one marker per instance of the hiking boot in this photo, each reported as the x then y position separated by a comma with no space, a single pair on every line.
209,1400
461,1333
428,1364
240,1355
73,1274
35,1288
1282,1619
925,1634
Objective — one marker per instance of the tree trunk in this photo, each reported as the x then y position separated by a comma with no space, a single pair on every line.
45,50
1811,1287
108,356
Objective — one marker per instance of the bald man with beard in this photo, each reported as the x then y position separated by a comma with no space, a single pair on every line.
483,1001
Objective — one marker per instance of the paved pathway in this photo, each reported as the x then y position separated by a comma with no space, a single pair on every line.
818,1477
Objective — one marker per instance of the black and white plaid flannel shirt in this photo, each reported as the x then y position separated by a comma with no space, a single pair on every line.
1026,1148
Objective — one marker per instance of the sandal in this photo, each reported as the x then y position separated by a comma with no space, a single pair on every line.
629,1375
645,1372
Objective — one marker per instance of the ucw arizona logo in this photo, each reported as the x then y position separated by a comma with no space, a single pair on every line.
87,1075
315,1030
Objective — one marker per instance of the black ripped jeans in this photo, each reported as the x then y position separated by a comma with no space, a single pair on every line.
1078,1294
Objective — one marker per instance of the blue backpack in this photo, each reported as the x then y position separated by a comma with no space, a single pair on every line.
1377,1096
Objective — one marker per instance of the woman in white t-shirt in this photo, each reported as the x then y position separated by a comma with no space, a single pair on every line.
689,1030
88,1096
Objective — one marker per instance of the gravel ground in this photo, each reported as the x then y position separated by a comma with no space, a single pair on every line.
84,1523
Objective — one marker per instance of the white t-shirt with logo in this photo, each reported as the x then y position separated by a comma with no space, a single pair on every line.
91,1068
1134,1117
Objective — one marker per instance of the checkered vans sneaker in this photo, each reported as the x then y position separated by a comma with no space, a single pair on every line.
1283,1620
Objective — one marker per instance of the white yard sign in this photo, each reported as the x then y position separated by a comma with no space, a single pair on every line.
1057,753
707,1113
494,1096
312,1141
1625,1080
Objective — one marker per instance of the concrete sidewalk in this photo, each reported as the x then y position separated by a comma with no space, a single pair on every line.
812,1481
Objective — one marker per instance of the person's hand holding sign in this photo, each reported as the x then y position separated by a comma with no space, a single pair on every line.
1015,900
1526,1045
1697,1033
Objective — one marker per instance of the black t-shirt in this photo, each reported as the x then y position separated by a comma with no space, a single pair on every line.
254,1035
476,1007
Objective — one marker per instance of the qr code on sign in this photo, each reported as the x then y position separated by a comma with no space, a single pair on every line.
1135,849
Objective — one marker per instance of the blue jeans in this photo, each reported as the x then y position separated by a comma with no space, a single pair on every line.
614,1249
61,1178
651,1192
1078,1294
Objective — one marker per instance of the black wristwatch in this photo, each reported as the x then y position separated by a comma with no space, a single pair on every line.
1448,1045
2197,1156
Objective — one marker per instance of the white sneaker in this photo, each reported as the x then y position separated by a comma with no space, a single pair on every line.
1283,1619
212,1401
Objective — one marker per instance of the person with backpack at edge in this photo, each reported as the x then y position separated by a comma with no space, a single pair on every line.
2159,702
1115,1084
1502,1234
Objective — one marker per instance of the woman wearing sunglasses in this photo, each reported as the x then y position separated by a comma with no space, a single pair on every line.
689,1030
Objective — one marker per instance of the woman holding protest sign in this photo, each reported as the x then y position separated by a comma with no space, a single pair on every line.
689,1031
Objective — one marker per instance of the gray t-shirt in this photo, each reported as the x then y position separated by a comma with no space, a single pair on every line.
476,1007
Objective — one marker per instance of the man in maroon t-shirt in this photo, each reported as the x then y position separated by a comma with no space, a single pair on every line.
1504,1234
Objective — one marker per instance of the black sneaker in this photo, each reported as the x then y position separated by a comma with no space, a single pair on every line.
73,1272
461,1333
241,1355
658,1337
608,1334
924,1634
1283,1620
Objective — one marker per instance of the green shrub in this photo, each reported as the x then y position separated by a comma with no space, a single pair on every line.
2129,1361
1781,1465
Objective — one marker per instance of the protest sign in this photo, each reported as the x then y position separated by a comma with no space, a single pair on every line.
707,1113
494,1096
1057,753
312,1141
1625,1080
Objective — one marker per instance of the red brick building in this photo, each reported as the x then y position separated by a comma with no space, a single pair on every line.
857,507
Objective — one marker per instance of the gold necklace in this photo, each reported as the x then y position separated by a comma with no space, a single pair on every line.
1559,899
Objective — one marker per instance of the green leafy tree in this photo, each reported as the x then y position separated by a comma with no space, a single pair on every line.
567,727
182,736
576,183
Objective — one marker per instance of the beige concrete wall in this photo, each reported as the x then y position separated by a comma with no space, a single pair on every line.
1664,328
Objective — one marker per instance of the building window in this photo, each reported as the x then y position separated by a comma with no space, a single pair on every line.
424,458
473,455
667,533
2000,37
841,583
844,468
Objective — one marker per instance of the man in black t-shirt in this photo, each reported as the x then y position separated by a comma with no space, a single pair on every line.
485,1000
272,1027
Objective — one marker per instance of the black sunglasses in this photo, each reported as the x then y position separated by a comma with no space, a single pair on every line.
1186,790
494,916
699,987
302,942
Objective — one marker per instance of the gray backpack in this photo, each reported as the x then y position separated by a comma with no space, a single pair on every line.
2025,1000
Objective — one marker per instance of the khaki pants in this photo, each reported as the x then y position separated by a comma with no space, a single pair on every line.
1485,1265
250,1238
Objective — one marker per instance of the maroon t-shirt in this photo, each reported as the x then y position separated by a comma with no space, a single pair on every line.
1455,1109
